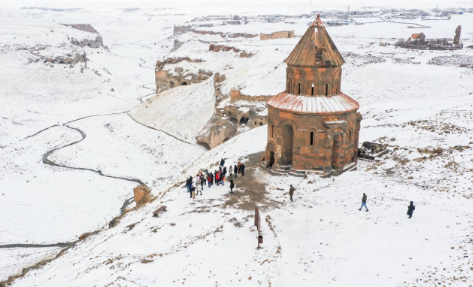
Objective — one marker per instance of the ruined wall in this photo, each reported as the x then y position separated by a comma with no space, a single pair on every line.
67,59
277,35
236,95
97,43
218,48
190,29
334,140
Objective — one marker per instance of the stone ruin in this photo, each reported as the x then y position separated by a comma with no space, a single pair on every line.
171,78
242,113
371,150
419,41
276,35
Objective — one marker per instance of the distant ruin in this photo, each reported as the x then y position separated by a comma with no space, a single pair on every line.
419,41
277,35
92,43
191,29
218,48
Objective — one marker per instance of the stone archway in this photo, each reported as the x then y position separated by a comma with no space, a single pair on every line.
288,143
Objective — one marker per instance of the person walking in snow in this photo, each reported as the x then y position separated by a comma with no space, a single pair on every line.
291,192
235,170
202,181
363,202
242,167
209,179
222,162
189,184
217,178
232,185
192,190
230,170
198,182
410,209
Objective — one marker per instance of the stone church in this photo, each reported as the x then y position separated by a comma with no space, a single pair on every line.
312,126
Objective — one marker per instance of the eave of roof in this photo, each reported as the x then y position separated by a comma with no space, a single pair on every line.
320,105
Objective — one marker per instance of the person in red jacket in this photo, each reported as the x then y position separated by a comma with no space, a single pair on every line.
209,179
217,178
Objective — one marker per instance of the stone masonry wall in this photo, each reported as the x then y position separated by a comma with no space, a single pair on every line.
335,141
322,78
236,95
277,35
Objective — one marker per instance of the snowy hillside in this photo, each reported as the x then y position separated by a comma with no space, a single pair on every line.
73,146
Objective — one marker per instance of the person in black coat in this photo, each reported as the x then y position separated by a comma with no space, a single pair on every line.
242,167
232,185
202,182
222,162
189,184
410,209
235,170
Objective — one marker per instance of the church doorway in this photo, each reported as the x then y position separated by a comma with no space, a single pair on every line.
288,137
336,152
271,159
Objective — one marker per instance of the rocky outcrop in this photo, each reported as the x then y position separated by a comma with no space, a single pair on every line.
142,195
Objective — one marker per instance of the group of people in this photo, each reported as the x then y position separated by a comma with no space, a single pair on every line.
217,177
410,208
233,169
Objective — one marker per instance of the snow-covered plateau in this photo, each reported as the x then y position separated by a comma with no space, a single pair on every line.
81,126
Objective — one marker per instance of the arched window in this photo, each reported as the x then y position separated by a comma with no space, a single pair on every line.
311,138
312,90
299,89
326,89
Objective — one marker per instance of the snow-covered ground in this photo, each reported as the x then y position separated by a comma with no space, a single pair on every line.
82,118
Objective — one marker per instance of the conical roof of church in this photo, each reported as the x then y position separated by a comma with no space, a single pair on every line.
315,48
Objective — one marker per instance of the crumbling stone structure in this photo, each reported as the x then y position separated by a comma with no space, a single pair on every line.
312,126
458,31
168,79
418,41
276,35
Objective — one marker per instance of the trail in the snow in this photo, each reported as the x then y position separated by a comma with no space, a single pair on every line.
60,244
